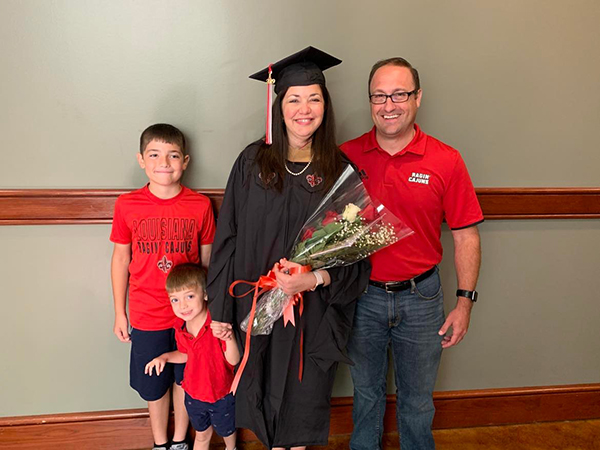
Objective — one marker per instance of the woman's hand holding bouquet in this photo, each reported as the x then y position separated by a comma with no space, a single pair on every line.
293,283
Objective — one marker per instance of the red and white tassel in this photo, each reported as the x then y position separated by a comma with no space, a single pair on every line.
270,89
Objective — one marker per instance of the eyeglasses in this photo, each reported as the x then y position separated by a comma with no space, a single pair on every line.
396,97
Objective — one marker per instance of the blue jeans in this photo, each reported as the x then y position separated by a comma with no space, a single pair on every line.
410,321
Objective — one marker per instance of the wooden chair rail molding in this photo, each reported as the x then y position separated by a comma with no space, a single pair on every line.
454,409
92,206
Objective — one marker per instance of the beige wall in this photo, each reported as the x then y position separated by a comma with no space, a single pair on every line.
513,85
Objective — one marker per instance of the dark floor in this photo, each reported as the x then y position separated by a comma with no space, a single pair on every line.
576,435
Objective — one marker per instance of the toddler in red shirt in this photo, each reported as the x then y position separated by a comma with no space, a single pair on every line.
155,228
209,361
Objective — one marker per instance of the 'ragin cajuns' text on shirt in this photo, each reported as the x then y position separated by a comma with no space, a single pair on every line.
162,234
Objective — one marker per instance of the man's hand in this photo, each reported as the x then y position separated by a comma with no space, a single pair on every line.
458,319
221,330
157,363
121,328
467,259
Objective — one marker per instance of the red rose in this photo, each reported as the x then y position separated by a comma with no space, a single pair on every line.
330,216
369,213
308,233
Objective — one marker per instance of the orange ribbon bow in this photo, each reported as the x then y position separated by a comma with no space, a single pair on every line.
264,284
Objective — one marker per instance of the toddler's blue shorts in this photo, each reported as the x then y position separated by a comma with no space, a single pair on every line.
220,414
145,346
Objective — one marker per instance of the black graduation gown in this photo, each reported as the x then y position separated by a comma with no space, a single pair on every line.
255,228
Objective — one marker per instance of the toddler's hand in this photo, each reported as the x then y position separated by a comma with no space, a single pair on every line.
221,330
157,363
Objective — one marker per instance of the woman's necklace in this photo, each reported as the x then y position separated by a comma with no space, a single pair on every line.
297,173
305,167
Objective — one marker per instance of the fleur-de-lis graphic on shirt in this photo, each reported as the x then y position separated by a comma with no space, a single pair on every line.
164,264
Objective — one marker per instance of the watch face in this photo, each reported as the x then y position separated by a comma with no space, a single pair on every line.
472,295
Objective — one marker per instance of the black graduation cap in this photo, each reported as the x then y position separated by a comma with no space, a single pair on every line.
300,69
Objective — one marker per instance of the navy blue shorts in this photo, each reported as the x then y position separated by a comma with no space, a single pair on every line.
145,346
220,414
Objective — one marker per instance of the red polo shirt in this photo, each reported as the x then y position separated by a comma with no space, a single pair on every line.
207,376
423,184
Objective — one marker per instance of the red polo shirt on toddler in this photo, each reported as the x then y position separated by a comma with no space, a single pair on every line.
423,184
207,376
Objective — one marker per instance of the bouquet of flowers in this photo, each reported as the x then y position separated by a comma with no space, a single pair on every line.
346,227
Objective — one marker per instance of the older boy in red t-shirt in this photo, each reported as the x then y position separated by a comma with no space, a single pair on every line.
209,361
155,228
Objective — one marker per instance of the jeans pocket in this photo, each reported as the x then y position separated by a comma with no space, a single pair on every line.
429,289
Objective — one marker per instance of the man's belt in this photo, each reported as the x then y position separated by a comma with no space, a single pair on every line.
396,286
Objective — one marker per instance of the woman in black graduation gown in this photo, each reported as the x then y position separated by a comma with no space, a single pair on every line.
271,192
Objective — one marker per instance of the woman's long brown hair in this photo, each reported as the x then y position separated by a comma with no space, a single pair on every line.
327,157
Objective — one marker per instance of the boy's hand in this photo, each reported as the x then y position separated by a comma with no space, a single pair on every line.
221,330
157,363
121,328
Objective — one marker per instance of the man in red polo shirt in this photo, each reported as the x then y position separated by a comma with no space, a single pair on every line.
423,181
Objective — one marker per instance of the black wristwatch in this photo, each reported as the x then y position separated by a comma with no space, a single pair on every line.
471,295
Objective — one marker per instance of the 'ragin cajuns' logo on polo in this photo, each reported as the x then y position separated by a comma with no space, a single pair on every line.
314,180
164,264
419,178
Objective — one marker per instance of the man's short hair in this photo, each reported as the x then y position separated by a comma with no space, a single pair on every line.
162,132
186,276
396,61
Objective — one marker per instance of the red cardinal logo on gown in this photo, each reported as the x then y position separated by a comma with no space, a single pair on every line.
314,180
270,178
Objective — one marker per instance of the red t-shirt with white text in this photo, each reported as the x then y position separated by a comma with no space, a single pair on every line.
162,233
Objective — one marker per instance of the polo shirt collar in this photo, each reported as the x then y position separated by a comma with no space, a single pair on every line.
180,324
416,146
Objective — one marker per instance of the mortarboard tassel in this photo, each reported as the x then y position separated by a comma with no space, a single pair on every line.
270,88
